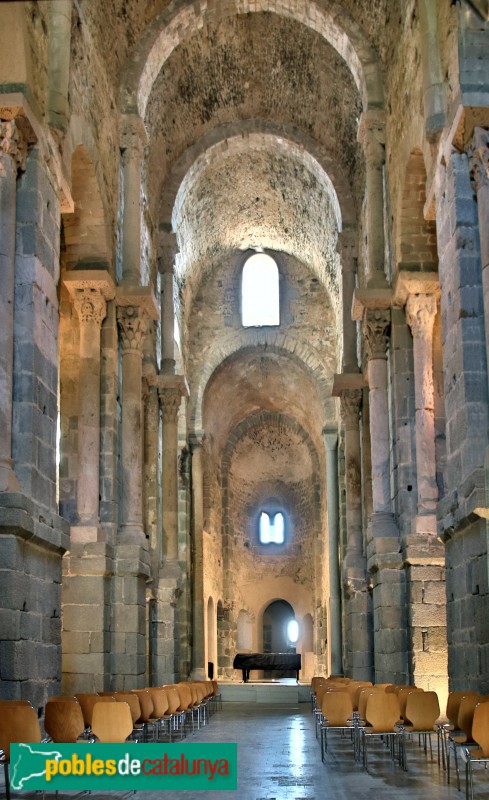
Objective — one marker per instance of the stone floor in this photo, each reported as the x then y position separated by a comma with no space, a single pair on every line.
279,759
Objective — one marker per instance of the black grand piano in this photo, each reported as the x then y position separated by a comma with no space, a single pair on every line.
267,661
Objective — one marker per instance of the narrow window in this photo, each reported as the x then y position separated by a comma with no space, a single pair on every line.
271,530
260,303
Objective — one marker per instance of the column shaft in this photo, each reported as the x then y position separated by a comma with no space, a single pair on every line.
133,140
331,441
199,668
372,134
170,400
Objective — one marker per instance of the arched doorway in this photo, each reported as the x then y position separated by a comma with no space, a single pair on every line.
276,617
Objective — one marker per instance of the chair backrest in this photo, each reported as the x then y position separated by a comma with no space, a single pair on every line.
403,695
145,704
382,712
466,714
365,692
18,723
385,686
453,705
112,722
63,722
173,699
422,710
160,701
6,703
337,708
132,701
354,688
88,701
480,727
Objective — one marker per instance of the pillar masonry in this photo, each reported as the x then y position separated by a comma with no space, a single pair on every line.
358,612
371,133
331,443
133,141
33,537
168,250
348,252
423,553
384,559
13,151
199,668
135,307
462,283
90,290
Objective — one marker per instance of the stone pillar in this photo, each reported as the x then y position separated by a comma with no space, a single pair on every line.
358,613
168,251
420,314
433,86
170,398
12,157
132,325
479,164
383,551
133,142
59,62
347,249
331,442
90,290
199,668
371,133
464,325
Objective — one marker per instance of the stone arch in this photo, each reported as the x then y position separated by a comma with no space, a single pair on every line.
215,142
181,19
273,341
416,236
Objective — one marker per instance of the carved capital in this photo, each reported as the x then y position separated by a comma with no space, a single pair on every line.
376,328
133,325
90,306
13,142
170,403
420,314
350,407
478,154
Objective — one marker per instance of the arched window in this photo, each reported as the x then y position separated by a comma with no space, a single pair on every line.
260,304
271,529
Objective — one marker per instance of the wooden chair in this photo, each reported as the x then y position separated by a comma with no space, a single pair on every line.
63,721
337,710
111,722
402,696
146,718
160,712
18,723
132,701
444,728
174,709
422,711
382,717
480,755
216,693
462,735
88,701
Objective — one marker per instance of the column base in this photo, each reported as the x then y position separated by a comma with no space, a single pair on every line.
198,674
132,534
424,524
382,524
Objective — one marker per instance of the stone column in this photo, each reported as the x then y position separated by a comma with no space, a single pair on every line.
132,324
331,442
433,86
358,613
371,133
170,398
420,314
133,142
59,62
168,250
199,668
12,157
479,164
383,551
90,291
347,249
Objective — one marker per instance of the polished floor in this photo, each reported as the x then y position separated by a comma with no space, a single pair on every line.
279,759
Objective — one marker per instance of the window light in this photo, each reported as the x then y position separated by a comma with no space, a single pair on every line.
260,303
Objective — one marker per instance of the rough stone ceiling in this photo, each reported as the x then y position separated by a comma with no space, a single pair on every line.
256,381
269,452
259,66
263,192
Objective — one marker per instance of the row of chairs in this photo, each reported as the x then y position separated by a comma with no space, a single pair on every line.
151,714
347,705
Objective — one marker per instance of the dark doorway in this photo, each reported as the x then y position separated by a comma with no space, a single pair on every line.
275,640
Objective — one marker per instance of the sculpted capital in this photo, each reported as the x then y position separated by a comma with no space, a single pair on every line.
133,324
420,313
376,329
13,142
